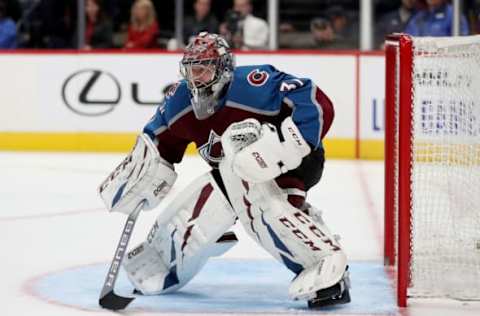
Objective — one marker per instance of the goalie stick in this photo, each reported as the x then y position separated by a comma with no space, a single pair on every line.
108,299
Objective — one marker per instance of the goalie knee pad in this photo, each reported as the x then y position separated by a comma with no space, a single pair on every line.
288,233
285,231
155,272
186,233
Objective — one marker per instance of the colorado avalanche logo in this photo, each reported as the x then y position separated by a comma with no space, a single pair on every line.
257,78
211,151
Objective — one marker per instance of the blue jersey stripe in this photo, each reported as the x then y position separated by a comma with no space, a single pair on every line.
307,112
156,125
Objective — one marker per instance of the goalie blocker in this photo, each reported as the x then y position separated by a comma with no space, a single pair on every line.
142,176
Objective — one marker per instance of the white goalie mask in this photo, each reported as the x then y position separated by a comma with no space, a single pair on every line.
207,66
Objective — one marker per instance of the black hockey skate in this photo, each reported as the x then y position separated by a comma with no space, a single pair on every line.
336,294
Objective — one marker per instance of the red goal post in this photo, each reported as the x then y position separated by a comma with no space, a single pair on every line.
432,166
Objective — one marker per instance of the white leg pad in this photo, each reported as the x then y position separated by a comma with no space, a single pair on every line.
302,242
187,232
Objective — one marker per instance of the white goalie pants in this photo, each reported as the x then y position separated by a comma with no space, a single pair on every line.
195,227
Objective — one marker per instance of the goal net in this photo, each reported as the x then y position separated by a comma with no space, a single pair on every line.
432,166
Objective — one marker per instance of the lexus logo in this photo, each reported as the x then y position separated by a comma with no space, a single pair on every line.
91,92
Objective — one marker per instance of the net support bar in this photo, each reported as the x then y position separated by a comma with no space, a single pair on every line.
405,167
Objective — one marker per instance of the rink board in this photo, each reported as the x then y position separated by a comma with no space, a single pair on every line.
228,286
98,101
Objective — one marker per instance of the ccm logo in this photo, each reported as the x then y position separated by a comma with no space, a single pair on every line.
295,136
153,231
115,172
304,221
135,252
259,160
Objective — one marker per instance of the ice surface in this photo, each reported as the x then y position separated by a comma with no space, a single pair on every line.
56,241
223,286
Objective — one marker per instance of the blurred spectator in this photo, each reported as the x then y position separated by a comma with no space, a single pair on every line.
58,20
98,27
393,22
324,36
473,16
476,20
286,27
202,21
435,20
8,30
143,28
29,26
14,9
345,26
321,36
242,29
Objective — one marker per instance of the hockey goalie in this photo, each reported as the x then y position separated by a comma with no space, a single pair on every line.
261,131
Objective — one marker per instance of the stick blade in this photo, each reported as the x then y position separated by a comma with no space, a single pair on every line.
114,302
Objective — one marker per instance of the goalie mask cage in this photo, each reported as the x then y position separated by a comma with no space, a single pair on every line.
432,166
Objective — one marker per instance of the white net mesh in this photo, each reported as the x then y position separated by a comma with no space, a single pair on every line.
446,168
